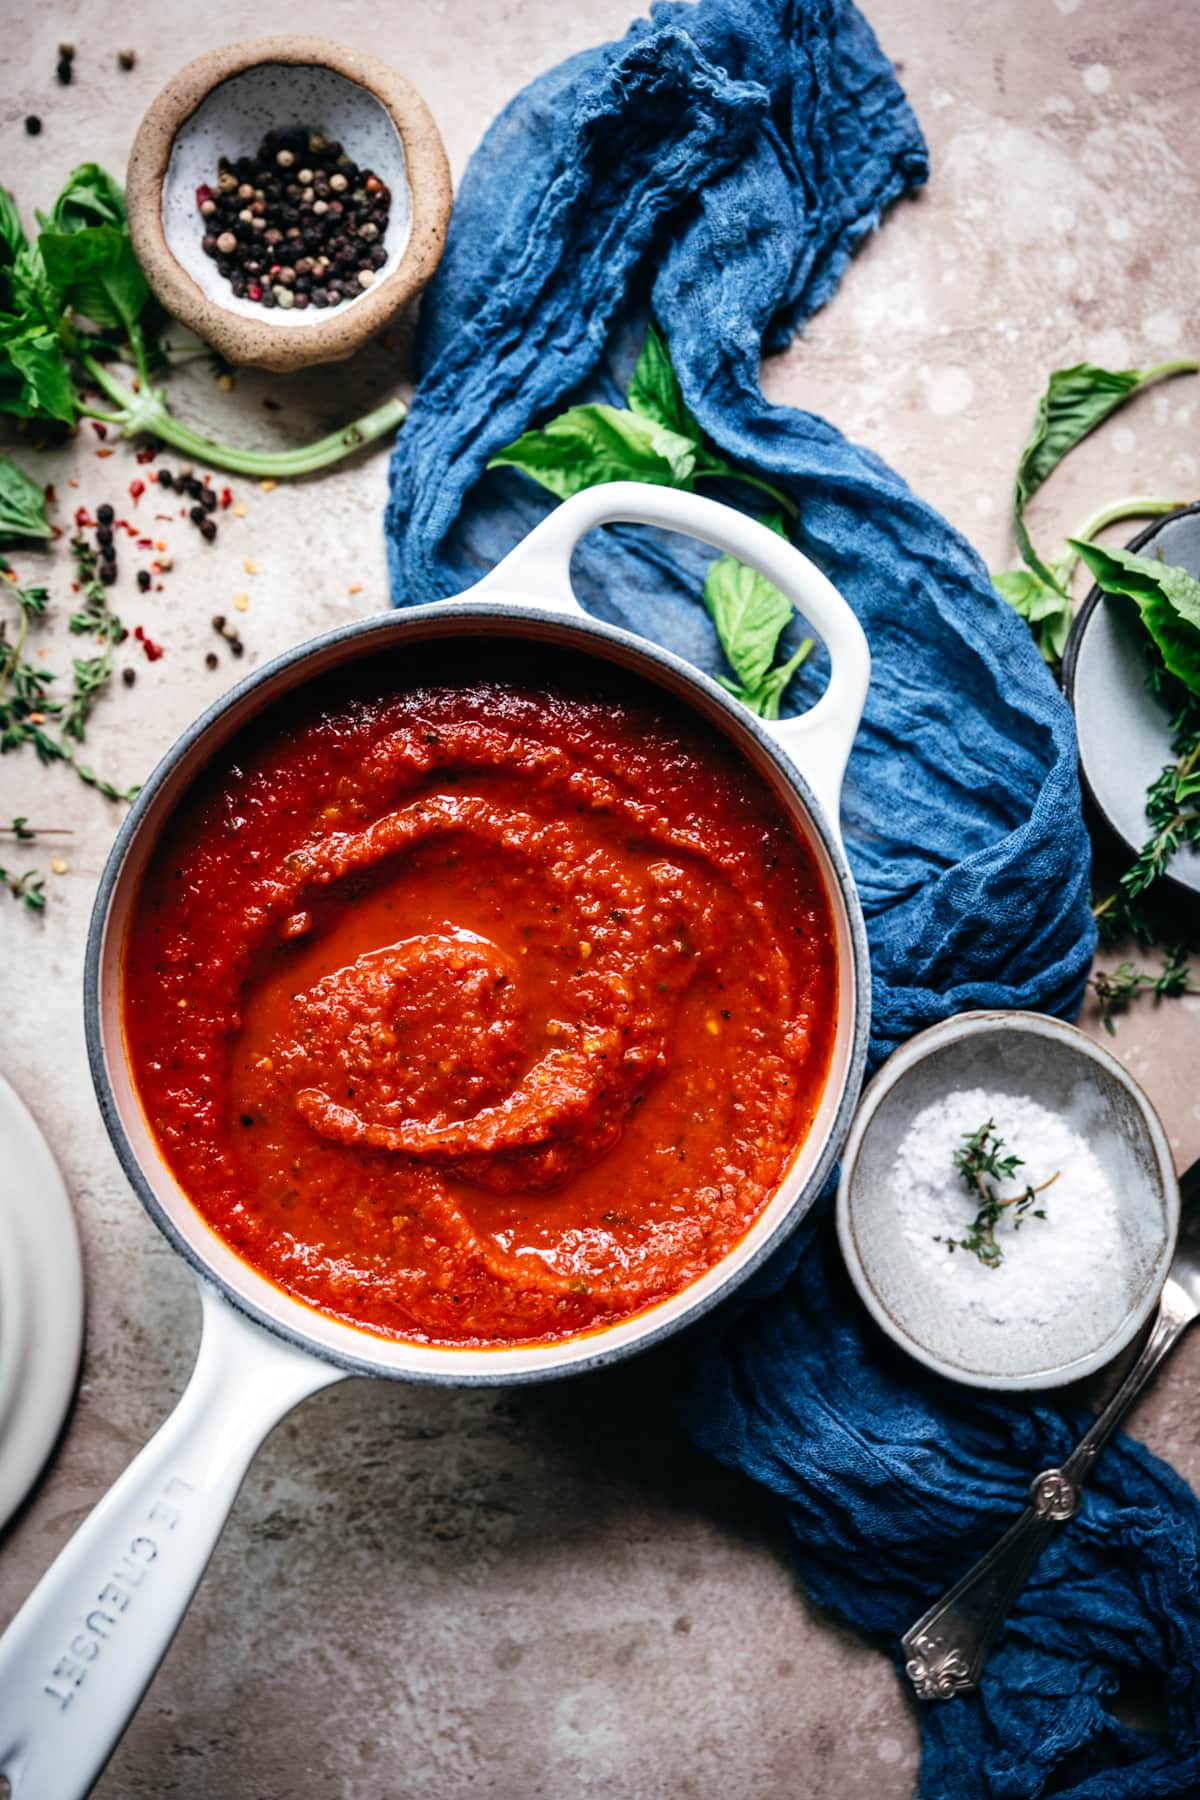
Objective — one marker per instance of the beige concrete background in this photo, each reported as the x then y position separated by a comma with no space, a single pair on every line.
549,1593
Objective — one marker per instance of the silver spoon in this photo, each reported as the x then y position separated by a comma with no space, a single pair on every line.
948,1645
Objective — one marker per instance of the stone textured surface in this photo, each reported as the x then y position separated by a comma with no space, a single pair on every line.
548,1593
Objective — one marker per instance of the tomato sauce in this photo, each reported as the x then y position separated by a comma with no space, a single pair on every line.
485,1004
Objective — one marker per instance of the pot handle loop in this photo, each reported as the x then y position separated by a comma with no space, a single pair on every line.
79,1655
538,572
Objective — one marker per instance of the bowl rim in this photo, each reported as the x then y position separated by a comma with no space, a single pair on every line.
332,336
898,1066
501,1366
1179,889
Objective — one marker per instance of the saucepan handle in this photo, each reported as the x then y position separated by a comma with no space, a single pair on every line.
818,741
81,1652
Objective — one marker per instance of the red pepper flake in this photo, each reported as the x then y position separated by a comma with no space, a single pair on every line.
153,651
147,455
82,517
203,193
226,496
167,518
100,429
145,543
254,291
136,490
104,453
56,531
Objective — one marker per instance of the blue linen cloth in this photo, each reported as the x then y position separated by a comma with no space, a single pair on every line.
719,166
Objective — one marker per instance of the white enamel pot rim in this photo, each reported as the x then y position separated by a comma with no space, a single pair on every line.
262,1350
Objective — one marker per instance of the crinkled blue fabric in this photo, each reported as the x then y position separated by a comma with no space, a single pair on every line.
718,167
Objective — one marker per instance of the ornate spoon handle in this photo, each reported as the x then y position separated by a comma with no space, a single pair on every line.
948,1645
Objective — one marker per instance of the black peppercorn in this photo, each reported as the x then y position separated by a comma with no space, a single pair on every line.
208,530
33,125
129,676
212,660
208,499
105,514
300,204
64,71
107,572
126,59
166,479
143,580
197,515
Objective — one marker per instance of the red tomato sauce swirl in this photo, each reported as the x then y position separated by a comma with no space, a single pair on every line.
485,1007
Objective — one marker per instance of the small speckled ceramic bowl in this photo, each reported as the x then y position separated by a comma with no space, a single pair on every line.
1036,1058
223,104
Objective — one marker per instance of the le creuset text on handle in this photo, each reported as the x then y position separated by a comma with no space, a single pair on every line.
538,571
79,1655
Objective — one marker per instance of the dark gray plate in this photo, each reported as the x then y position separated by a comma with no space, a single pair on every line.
1124,729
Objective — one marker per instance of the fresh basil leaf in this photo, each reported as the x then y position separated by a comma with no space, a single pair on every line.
1167,597
90,197
749,613
12,232
655,393
95,271
35,381
589,444
1046,607
766,697
1076,400
22,504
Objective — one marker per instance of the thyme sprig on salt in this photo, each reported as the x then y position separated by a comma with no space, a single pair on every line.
981,1159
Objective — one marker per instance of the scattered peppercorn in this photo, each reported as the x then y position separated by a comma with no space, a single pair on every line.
126,59
212,660
105,515
129,676
33,125
297,224
208,530
143,580
66,60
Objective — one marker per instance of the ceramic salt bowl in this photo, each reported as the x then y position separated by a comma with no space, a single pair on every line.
1124,729
1030,1056
223,104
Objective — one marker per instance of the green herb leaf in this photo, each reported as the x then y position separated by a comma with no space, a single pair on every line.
590,444
749,613
94,270
765,699
22,504
655,393
1076,400
35,380
90,197
1167,597
1046,608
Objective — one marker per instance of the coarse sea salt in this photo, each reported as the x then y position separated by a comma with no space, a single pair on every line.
1051,1267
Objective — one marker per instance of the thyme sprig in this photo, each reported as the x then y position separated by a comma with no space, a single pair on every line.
1116,988
1173,813
981,1159
29,888
29,707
